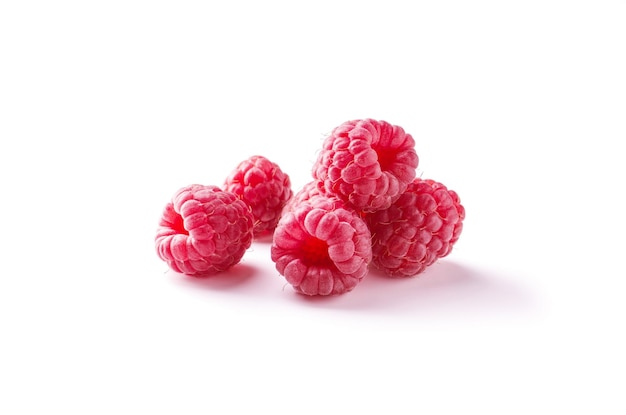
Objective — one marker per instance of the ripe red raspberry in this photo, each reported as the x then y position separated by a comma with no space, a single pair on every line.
322,248
367,163
417,229
264,187
203,230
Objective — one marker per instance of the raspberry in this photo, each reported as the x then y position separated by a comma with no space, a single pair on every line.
264,187
321,248
367,163
417,229
203,230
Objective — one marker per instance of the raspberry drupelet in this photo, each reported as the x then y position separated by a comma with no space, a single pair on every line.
203,230
321,247
366,163
420,227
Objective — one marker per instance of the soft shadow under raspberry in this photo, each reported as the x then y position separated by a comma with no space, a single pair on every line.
235,276
445,287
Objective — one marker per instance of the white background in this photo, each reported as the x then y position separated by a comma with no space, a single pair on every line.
107,108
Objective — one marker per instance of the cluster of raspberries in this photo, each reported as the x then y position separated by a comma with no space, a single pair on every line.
364,207
206,229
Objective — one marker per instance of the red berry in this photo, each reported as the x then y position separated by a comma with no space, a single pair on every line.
367,163
416,230
321,247
203,230
264,187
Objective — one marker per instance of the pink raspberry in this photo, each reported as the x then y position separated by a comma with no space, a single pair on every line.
322,248
367,163
264,187
203,230
417,229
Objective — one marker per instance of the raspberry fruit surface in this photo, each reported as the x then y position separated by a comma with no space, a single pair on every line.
321,248
416,230
307,191
264,187
367,163
203,230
